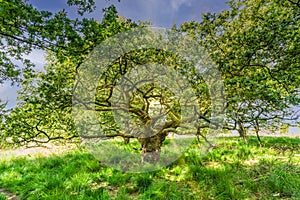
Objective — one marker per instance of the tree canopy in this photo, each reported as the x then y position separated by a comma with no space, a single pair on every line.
44,96
254,45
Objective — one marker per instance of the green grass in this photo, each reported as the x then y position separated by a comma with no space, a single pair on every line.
232,170
2,197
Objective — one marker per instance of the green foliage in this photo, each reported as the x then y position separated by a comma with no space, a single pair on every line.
3,197
44,110
255,45
83,5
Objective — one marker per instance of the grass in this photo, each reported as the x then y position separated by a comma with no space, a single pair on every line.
2,197
232,170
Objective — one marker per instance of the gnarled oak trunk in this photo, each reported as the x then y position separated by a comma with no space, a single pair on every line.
151,147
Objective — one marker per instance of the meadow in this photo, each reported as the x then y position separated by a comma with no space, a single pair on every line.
231,170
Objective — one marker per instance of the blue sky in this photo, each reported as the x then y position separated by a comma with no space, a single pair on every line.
161,13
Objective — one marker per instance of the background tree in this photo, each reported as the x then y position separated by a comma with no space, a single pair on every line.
25,28
44,109
255,45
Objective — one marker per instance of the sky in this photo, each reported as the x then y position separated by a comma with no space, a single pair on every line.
161,13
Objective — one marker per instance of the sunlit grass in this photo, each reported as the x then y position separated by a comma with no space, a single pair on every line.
232,170
2,197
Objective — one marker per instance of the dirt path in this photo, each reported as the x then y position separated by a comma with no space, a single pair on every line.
44,151
8,194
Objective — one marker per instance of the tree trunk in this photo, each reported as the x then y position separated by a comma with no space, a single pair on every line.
151,147
126,140
242,131
257,134
258,137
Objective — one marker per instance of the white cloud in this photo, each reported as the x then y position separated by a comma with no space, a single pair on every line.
176,4
164,13
38,58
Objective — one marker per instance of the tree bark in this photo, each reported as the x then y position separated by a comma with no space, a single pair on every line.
242,131
126,140
151,148
258,137
257,133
